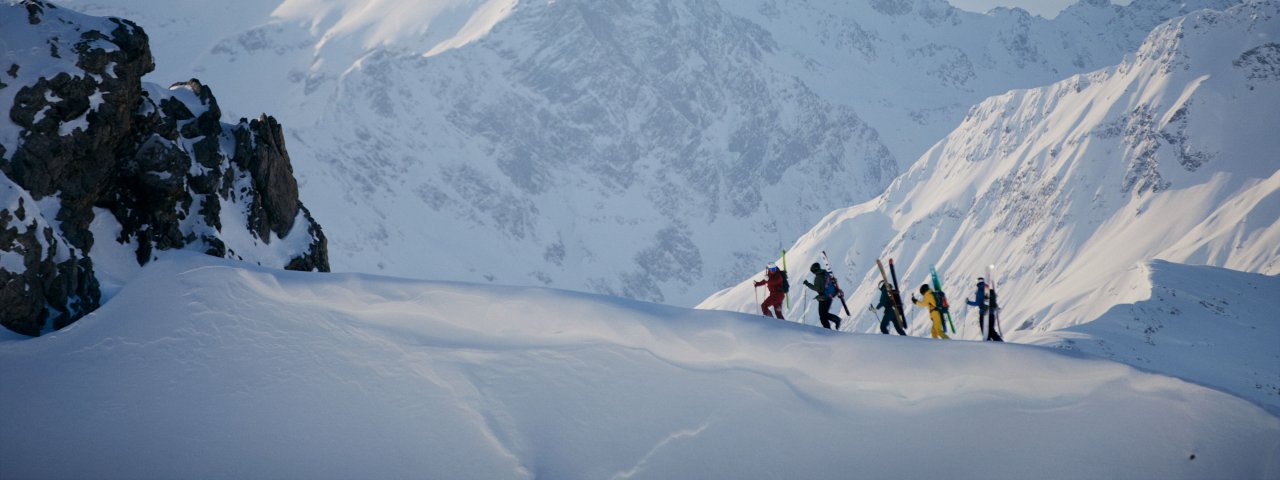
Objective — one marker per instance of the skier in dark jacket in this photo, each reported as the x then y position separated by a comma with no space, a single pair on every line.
985,315
824,300
890,316
775,281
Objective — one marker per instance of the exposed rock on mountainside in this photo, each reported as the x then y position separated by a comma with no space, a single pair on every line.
655,149
91,156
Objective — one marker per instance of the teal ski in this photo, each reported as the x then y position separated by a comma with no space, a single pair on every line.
943,306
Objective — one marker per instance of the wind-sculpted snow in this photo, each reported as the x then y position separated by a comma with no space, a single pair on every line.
1211,326
204,367
1169,155
602,137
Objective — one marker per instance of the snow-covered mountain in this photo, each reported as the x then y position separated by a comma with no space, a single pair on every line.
204,367
100,172
913,68
655,149
1066,189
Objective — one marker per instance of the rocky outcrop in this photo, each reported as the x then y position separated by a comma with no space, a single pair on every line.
276,198
86,146
41,281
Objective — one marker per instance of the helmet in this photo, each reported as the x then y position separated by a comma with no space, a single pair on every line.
772,267
981,281
815,268
924,288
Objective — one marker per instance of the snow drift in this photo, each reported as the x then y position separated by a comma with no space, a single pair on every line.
208,367
1212,326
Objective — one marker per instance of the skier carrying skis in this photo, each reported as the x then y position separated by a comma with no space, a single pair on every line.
886,302
776,280
984,313
930,301
821,281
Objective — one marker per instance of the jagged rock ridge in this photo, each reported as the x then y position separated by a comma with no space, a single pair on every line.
95,162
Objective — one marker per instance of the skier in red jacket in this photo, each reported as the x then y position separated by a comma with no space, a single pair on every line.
777,282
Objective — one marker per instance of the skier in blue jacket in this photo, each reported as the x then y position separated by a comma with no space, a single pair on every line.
985,315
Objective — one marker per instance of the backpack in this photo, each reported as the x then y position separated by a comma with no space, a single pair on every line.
833,286
786,284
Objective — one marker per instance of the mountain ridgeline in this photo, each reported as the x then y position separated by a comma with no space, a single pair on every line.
102,172
654,149
1067,188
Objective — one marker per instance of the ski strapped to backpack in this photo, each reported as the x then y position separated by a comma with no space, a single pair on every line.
894,299
993,307
944,307
833,285
897,293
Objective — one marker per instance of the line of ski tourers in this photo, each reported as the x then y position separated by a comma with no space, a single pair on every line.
827,288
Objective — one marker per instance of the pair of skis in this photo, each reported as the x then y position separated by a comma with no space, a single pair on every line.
993,307
944,307
832,278
895,296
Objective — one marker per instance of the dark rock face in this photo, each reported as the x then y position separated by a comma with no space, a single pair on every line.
276,191
93,139
44,287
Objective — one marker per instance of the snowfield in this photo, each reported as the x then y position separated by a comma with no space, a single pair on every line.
1213,326
203,367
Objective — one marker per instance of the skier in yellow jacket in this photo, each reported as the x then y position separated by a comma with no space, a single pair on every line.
929,301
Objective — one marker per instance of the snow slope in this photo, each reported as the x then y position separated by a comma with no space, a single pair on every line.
659,150
1169,155
1212,326
204,367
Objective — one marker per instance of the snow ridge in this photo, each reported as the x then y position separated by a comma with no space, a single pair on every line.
1204,324
217,368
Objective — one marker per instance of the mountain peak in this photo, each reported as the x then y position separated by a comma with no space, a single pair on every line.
424,27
